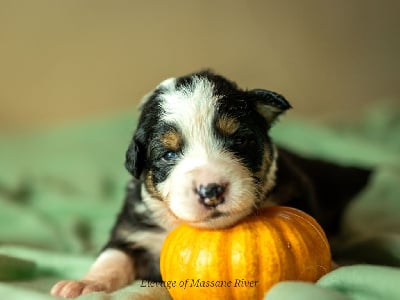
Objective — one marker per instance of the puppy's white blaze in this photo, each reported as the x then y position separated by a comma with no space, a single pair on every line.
192,109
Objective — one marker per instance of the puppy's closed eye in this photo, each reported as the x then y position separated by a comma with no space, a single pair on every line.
243,141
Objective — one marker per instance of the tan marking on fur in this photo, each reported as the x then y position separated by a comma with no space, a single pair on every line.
227,125
267,172
160,210
151,188
265,166
171,140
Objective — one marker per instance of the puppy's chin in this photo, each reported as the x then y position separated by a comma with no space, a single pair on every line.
214,218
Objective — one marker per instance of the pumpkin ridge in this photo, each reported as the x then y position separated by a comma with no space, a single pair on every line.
230,264
310,221
262,257
309,236
287,245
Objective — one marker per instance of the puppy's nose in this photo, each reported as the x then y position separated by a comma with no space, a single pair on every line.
211,195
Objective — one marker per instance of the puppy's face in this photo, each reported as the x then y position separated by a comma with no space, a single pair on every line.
202,149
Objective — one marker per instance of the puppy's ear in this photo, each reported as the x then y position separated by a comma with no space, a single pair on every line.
135,157
269,104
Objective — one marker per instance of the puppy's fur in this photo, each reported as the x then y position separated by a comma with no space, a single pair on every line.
201,154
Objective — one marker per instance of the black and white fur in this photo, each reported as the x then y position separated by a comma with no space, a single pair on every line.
201,154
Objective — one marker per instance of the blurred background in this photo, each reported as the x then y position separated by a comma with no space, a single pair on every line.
68,60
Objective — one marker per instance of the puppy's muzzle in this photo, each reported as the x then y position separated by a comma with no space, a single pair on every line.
211,194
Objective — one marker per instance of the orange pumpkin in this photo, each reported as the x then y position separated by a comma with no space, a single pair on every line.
246,260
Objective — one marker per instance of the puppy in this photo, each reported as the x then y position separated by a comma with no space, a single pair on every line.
201,154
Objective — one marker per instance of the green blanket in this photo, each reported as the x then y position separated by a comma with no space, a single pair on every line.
60,190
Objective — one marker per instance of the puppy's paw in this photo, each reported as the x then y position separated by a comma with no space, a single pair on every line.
75,288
